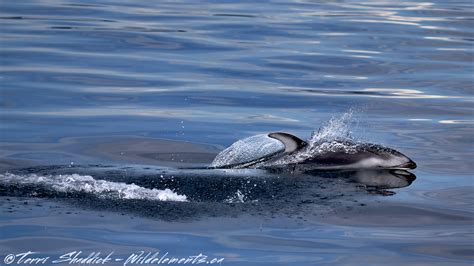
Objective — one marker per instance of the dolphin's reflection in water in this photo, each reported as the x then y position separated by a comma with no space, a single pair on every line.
376,181
374,178
209,192
384,179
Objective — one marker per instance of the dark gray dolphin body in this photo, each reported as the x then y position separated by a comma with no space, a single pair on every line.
276,150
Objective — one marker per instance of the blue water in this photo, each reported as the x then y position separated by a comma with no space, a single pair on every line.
86,82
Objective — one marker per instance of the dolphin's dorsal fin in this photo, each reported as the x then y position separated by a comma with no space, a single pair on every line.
291,142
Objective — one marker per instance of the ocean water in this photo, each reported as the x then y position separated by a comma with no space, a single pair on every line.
111,110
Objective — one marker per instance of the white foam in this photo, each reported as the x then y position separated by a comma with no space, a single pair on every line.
87,184
239,197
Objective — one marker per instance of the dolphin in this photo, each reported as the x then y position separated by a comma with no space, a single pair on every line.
280,149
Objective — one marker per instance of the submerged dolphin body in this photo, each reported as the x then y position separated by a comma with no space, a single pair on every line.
277,150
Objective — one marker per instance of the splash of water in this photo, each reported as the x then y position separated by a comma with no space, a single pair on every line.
335,130
334,136
75,183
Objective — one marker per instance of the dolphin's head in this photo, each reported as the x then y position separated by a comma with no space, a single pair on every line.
376,156
359,156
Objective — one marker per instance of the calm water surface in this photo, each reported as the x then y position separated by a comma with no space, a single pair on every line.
169,83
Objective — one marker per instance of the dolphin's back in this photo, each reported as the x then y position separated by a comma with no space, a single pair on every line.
248,151
259,148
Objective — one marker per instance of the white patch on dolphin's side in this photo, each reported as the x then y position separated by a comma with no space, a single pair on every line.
87,184
374,162
379,163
